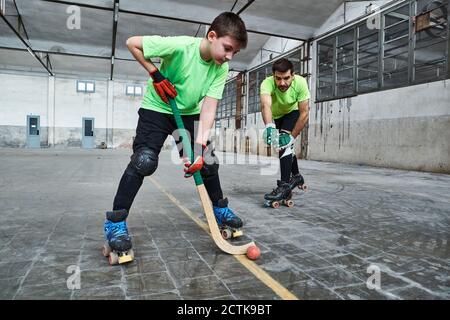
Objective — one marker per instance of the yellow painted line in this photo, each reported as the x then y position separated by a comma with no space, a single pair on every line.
263,276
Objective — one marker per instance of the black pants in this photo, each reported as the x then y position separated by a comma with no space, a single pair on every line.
288,164
151,132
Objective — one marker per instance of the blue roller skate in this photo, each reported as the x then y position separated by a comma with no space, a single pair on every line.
229,223
118,246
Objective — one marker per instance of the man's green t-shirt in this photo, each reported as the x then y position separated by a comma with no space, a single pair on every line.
285,102
183,66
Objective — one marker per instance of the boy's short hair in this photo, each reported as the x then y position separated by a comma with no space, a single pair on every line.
283,65
230,24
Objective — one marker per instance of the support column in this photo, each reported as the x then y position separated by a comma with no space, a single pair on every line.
110,114
51,111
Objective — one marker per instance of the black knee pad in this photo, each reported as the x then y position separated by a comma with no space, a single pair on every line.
211,166
209,170
145,161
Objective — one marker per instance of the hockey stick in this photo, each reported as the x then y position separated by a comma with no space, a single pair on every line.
206,202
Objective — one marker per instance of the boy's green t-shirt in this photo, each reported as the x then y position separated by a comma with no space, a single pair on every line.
183,66
285,102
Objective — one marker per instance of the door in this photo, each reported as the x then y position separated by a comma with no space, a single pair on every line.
88,133
33,129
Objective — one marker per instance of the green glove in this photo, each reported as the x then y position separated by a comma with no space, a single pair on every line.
270,134
286,140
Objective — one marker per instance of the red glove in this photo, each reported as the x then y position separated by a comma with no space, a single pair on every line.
162,86
199,160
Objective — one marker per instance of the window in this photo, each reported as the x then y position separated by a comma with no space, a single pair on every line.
325,69
85,86
396,47
367,58
345,63
430,41
227,105
133,90
411,45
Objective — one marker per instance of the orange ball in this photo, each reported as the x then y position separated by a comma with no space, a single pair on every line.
253,252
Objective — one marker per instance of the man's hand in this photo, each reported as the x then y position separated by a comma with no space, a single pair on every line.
270,134
162,86
285,141
199,160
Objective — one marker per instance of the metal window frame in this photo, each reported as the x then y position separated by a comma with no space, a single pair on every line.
86,82
134,86
412,8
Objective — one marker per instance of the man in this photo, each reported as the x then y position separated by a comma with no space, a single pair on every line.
285,98
192,69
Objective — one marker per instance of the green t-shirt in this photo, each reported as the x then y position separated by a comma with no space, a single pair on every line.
182,64
285,102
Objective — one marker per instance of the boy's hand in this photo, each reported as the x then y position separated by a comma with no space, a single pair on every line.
163,86
199,160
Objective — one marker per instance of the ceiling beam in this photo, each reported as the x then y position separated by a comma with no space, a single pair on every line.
21,21
249,2
29,49
173,18
69,54
115,22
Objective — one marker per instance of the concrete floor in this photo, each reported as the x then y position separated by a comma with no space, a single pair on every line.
351,218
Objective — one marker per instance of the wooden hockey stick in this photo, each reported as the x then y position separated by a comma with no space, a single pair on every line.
204,198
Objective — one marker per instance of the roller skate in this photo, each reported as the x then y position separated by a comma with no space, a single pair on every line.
282,194
118,242
297,181
229,224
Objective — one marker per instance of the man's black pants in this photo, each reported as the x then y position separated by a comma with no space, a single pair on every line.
288,163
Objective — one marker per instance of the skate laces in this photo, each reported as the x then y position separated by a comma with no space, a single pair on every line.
224,214
116,230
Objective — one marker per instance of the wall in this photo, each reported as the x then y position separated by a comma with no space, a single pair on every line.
405,128
61,109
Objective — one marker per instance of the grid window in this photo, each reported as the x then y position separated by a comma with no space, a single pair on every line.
367,58
345,63
431,34
412,46
85,86
326,69
396,47
133,90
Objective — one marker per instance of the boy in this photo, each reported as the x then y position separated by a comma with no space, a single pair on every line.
197,69
285,98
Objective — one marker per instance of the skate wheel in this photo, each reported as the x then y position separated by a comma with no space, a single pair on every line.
106,250
113,258
275,204
303,187
289,203
226,233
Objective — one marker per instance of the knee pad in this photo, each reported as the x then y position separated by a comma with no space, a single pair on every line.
145,161
209,170
211,166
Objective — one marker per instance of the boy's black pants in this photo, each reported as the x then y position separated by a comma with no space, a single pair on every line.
151,132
